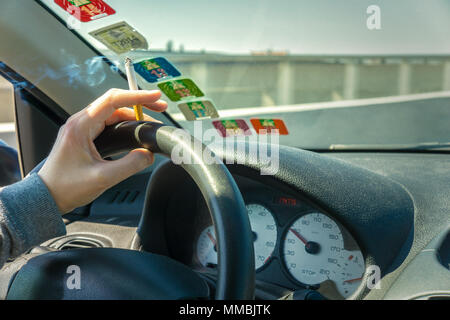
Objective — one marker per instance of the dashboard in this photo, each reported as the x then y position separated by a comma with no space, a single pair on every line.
320,223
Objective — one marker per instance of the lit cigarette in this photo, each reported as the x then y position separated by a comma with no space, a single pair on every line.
132,84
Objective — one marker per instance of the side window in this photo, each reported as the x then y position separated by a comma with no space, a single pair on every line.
9,161
7,127
36,120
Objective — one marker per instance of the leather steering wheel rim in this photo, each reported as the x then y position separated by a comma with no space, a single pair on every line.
236,276
236,272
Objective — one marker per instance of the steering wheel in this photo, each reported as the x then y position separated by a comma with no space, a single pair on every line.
109,273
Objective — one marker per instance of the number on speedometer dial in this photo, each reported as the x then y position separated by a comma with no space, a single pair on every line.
264,231
314,252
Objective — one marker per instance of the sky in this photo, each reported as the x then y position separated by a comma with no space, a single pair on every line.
295,26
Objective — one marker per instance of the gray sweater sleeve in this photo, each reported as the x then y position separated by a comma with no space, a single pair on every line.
28,217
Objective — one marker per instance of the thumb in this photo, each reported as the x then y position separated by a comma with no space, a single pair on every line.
135,161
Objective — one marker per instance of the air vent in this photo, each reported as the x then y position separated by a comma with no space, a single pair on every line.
124,196
80,243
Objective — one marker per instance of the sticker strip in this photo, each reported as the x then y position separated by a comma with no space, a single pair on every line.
86,10
198,109
266,126
120,38
180,89
229,128
156,69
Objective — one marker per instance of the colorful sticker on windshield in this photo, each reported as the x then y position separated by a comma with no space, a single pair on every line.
86,10
120,38
199,109
265,126
181,89
156,69
229,128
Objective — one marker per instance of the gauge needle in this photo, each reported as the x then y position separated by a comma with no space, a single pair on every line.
353,280
211,238
298,235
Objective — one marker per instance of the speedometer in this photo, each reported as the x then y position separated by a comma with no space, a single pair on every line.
314,252
264,231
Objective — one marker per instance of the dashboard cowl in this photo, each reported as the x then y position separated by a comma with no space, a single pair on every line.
378,211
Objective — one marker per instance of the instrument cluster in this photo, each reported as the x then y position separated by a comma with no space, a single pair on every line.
296,246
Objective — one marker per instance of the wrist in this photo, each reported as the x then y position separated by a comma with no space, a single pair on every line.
63,207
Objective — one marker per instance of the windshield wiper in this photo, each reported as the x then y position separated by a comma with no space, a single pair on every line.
391,147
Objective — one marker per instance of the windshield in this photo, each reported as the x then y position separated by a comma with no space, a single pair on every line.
325,74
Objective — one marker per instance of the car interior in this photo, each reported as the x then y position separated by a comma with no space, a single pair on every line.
357,208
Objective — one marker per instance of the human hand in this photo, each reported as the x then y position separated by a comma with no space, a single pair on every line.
74,172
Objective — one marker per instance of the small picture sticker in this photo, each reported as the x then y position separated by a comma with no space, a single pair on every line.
267,126
181,89
156,69
86,10
193,110
229,128
120,38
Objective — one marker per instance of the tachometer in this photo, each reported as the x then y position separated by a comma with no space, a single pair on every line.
314,252
207,247
264,236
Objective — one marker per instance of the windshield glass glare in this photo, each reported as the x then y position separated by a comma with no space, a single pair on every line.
335,73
